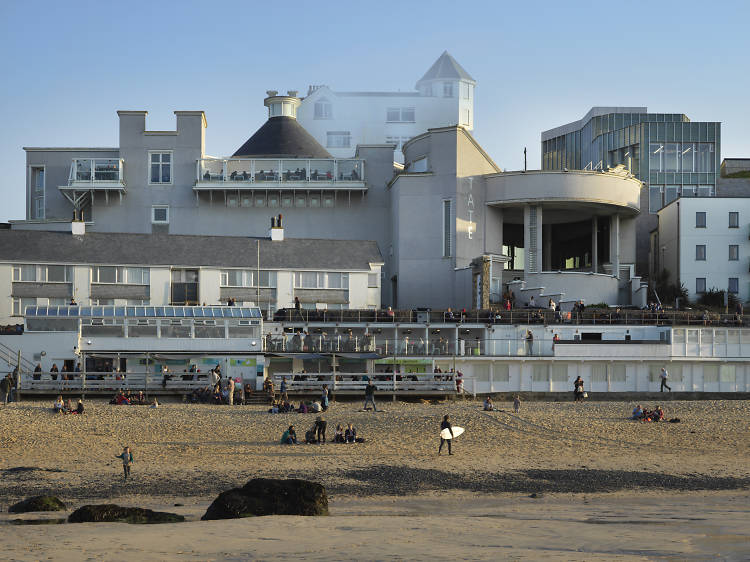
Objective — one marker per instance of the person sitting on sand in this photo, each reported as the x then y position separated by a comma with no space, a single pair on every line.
302,407
68,406
59,406
338,436
350,435
488,405
155,403
658,414
79,408
289,437
310,435
637,413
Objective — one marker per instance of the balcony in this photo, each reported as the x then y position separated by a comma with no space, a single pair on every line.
254,174
90,175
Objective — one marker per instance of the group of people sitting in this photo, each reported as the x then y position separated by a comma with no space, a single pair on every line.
317,434
65,407
643,414
128,399
284,406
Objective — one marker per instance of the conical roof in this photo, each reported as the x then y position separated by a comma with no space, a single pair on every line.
282,137
446,67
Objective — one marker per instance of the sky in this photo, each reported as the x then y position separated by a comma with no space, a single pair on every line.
68,66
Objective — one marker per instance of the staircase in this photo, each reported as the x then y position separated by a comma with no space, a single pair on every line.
9,358
259,398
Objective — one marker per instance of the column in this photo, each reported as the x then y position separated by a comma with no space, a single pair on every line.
594,244
532,239
547,243
614,244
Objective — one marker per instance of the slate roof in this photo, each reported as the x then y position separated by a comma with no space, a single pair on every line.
282,137
33,246
446,67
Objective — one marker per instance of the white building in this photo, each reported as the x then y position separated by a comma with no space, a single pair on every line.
703,243
341,120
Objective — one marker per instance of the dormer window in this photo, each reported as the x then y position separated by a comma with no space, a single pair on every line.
447,89
323,109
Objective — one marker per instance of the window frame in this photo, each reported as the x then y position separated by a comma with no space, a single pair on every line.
345,135
698,282
733,285
153,214
700,252
734,215
38,196
736,255
705,219
326,105
448,90
171,167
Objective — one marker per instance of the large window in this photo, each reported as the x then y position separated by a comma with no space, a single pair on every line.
733,285
700,219
447,230
19,305
37,195
654,198
681,157
373,280
700,285
247,278
400,115
321,280
734,252
671,150
161,167
700,252
43,273
670,193
124,275
184,287
687,156
734,219
323,109
338,139
447,89
655,155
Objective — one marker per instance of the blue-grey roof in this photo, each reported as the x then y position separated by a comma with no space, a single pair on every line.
33,246
446,67
143,311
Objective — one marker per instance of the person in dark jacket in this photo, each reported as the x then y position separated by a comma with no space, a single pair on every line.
446,425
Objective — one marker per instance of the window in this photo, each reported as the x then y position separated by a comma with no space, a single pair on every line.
655,155
107,274
329,200
419,165
398,141
138,302
704,161
338,139
700,219
160,214
734,252
314,200
300,201
373,280
654,199
670,193
37,183
671,150
321,280
447,89
687,155
102,302
24,273
705,190
323,109
400,115
161,167
247,278
447,231
700,285
734,219
700,252
43,273
19,305
733,285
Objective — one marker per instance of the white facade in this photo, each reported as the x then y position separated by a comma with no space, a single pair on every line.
342,120
703,244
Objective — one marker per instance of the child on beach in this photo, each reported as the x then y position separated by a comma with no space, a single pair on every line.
127,461
517,404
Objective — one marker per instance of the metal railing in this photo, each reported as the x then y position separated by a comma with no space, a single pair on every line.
110,382
270,170
96,170
356,382
514,316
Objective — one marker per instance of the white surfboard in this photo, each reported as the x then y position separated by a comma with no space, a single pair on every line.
446,434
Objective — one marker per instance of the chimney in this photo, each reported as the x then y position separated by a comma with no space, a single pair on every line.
77,226
276,232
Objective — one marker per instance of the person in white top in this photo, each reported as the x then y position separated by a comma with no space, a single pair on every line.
664,375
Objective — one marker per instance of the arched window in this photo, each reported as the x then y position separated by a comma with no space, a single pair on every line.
323,109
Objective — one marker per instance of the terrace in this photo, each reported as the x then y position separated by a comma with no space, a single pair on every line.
94,175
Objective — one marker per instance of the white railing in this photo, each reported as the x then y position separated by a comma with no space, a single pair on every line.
308,383
111,382
96,170
239,171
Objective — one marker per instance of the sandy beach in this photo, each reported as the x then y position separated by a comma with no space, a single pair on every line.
585,462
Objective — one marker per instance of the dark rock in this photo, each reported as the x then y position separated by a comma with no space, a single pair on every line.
267,496
178,505
38,503
110,513
535,495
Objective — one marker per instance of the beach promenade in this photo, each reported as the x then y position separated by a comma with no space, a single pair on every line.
587,464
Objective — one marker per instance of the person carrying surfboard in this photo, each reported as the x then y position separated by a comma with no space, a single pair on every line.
443,426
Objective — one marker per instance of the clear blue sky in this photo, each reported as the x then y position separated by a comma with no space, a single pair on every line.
68,66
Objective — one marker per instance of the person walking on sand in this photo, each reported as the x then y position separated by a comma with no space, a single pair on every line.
578,389
230,388
517,404
445,424
664,375
370,396
5,389
324,398
127,461
320,430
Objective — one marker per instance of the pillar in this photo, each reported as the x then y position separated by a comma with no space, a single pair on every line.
532,239
547,243
594,244
614,244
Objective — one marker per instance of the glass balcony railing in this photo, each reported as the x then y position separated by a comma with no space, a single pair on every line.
93,170
279,171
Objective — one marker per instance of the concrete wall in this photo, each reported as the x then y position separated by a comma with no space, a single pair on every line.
591,287
668,249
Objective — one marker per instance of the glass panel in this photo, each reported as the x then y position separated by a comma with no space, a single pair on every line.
294,170
96,311
654,198
52,311
154,173
169,311
85,311
704,190
704,158
671,150
213,170
687,155
321,170
670,194
108,311
56,273
150,312
689,190
655,156
120,311
106,170
83,170
246,313
266,170
350,170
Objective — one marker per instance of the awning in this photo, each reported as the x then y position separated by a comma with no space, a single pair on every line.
363,355
298,355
